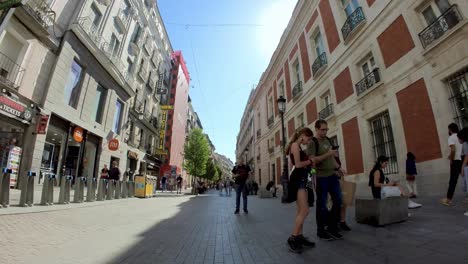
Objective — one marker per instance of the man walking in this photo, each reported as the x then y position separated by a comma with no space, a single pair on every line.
179,184
321,152
163,183
455,162
242,173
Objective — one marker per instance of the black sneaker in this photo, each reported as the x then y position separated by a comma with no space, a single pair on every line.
325,236
305,242
344,226
334,234
236,211
246,211
294,245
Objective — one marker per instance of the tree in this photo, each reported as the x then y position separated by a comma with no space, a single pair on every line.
211,173
196,153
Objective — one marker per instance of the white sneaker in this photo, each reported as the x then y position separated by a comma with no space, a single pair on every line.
466,213
413,205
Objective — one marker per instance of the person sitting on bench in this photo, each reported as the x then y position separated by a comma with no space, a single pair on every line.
271,187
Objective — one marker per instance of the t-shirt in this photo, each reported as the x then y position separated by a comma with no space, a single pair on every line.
114,173
243,172
465,149
326,167
179,180
453,140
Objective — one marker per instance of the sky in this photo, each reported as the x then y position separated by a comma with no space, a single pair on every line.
227,45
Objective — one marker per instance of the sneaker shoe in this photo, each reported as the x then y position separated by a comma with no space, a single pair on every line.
305,242
344,226
446,202
325,236
294,245
246,211
466,213
334,234
236,211
413,205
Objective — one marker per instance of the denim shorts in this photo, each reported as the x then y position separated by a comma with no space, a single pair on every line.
303,183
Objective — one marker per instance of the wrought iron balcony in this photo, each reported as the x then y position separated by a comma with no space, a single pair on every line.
353,20
297,89
41,11
450,18
271,120
368,81
271,150
326,112
319,63
11,74
259,133
122,18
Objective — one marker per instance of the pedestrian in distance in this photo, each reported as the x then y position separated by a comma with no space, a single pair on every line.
163,183
228,186
297,188
242,173
179,184
463,138
455,162
411,173
255,187
114,172
105,172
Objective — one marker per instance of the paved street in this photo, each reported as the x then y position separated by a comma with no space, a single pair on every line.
203,229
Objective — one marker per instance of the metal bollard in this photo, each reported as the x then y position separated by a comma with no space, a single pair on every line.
118,190
65,187
47,197
102,189
78,197
110,190
91,190
27,190
131,189
124,189
5,187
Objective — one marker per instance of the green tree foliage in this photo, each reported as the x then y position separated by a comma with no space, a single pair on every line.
210,170
196,153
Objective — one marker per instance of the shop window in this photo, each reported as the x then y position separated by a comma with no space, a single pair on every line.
117,117
73,86
99,104
114,45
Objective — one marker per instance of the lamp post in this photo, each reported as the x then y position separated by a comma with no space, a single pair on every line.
284,177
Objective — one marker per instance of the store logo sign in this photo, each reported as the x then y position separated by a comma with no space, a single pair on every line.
78,134
113,144
16,109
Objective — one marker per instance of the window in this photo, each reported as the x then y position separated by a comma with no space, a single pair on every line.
270,107
458,85
99,103
114,45
298,70
73,86
383,142
130,66
319,48
368,66
326,100
96,15
117,117
434,10
281,89
349,6
300,121
137,34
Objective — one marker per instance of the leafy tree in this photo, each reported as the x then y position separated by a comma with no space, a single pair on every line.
196,153
210,170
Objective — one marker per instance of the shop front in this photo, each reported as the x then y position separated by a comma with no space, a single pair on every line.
132,163
15,119
70,150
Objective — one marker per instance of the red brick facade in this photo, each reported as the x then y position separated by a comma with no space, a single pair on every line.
395,42
352,146
311,21
329,24
418,122
343,85
291,128
288,81
370,2
293,52
305,58
311,109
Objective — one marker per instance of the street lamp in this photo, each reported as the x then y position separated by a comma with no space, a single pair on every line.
284,178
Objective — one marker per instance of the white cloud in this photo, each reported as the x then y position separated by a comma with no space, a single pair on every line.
275,18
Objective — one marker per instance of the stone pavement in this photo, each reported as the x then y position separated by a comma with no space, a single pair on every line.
203,229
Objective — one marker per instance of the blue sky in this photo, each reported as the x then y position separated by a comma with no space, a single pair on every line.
225,62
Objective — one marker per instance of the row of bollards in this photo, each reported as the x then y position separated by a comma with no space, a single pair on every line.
96,190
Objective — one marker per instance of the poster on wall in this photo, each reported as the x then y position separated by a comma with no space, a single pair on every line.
14,159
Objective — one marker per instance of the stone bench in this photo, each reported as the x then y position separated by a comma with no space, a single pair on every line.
263,193
381,212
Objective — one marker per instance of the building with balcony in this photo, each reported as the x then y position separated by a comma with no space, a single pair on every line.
388,76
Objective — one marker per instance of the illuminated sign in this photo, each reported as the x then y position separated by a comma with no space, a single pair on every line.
167,107
162,130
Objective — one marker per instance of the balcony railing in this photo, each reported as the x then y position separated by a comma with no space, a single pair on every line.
41,11
271,150
270,121
259,133
297,89
450,18
368,81
11,74
356,18
122,18
326,112
319,63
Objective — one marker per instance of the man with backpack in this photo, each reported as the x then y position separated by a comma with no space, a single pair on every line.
242,173
323,155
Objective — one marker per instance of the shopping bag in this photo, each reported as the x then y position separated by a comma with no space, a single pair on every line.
348,189
390,191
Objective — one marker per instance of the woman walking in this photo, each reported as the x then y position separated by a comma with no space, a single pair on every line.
411,173
297,189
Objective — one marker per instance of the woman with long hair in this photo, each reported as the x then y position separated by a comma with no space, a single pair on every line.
297,189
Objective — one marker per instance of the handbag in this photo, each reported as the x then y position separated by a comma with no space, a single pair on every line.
390,191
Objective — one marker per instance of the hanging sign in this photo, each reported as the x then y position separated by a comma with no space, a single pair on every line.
113,144
78,134
167,107
41,127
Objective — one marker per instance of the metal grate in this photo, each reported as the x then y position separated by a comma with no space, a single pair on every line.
383,141
459,97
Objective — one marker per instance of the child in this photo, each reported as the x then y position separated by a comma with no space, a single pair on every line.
411,174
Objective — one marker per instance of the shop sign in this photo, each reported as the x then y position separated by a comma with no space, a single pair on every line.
78,134
160,152
10,4
132,155
113,144
160,81
167,107
14,108
162,130
42,125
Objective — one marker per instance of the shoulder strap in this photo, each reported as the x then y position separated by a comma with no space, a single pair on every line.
316,143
